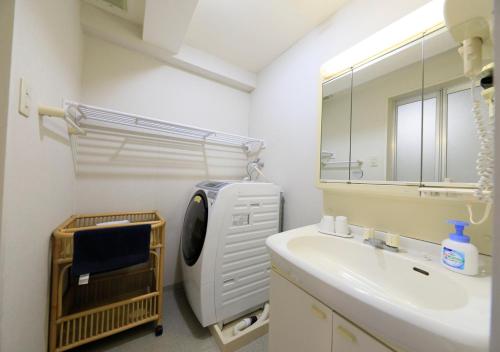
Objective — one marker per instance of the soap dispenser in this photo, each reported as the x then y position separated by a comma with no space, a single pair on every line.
457,253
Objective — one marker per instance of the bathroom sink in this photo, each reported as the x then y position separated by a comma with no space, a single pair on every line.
406,299
372,271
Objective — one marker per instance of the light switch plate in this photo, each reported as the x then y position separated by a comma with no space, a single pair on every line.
24,98
373,161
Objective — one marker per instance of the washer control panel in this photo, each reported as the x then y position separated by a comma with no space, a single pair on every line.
212,185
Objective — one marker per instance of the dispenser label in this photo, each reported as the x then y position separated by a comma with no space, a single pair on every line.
453,258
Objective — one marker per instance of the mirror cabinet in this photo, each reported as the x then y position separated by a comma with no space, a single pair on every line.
401,118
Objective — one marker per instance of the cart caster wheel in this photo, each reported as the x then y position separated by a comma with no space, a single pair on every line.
159,330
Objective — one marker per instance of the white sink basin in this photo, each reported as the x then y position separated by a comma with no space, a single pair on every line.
406,299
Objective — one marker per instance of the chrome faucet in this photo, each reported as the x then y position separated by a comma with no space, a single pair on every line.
375,242
391,244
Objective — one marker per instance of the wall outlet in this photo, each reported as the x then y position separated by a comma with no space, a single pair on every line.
24,98
373,161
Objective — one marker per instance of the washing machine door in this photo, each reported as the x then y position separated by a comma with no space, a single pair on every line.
194,228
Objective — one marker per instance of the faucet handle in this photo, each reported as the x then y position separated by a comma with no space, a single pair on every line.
369,233
392,240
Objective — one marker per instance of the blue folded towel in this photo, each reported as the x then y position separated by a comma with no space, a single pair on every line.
107,249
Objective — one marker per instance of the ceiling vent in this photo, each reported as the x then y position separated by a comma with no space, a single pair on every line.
129,10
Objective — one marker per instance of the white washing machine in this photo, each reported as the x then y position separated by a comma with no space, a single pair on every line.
225,263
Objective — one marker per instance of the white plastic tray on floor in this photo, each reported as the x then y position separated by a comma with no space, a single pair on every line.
229,343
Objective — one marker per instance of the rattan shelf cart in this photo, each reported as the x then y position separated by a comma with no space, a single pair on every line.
111,302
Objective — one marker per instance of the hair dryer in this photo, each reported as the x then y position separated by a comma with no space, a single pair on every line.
470,23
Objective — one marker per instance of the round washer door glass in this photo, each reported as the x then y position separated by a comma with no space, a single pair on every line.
194,228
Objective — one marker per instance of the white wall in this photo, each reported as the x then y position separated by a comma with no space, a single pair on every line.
6,26
39,183
286,104
158,176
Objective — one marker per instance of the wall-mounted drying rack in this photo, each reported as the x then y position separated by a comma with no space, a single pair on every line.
354,166
327,155
329,158
79,116
50,111
354,163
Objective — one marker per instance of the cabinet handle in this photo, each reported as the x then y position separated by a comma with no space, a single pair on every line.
318,312
346,333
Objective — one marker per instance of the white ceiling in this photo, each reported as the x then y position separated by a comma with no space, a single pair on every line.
247,33
252,33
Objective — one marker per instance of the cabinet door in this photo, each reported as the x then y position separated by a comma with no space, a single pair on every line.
349,338
298,322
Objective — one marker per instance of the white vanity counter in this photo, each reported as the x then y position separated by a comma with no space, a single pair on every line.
406,299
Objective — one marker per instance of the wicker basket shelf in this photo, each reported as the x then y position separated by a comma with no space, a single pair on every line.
111,302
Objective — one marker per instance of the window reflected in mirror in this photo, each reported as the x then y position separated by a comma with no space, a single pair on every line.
387,117
408,136
451,144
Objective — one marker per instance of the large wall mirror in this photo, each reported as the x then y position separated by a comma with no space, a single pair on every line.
401,118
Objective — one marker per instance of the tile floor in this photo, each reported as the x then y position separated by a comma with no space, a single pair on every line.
181,333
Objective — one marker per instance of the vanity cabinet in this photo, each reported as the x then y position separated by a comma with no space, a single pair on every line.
347,337
298,322
301,323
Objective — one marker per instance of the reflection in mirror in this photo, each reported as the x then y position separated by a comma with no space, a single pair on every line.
335,128
404,117
450,141
387,117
